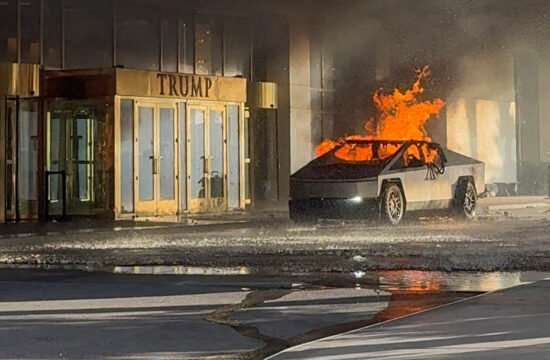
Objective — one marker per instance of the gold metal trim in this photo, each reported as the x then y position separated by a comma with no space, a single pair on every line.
19,79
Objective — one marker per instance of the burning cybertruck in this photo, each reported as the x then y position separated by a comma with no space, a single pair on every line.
378,178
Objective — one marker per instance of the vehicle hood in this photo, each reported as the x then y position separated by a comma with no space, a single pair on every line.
328,168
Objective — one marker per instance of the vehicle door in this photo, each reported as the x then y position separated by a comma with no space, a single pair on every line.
413,177
439,186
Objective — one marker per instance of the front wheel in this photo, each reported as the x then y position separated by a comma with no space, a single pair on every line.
466,200
393,204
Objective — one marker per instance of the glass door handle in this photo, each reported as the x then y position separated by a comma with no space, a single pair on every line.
205,165
155,165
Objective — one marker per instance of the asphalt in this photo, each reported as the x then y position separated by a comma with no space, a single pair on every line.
75,315
59,315
506,324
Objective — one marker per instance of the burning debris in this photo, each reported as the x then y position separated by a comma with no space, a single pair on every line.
401,117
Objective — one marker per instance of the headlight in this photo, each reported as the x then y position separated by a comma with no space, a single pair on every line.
356,199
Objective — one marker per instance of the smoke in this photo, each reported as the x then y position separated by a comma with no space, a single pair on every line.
470,46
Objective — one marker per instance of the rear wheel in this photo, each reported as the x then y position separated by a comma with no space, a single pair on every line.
466,200
393,204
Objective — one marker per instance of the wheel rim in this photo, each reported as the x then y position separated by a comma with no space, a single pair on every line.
469,202
395,205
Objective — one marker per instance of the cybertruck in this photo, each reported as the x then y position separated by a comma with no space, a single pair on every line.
385,179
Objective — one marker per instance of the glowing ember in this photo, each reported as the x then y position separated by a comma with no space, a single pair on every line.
401,117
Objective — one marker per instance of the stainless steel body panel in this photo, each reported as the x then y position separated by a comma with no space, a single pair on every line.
422,193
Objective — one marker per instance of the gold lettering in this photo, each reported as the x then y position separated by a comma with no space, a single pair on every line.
173,90
161,77
196,88
208,85
184,93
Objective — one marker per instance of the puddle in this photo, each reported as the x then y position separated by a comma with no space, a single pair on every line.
391,280
181,270
455,281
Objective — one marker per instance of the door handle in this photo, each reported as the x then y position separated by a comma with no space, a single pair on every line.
155,165
205,165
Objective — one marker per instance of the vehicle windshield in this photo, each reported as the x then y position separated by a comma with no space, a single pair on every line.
366,151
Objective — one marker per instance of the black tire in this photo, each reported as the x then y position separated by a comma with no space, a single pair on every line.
465,203
392,204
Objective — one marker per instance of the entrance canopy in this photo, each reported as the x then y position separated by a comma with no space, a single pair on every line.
78,84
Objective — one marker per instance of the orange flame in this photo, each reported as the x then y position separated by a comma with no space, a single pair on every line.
401,116
324,147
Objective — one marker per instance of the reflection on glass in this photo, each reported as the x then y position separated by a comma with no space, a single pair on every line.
56,148
166,150
82,137
246,128
27,157
126,155
208,46
10,157
216,154
86,22
138,34
196,137
146,154
236,47
182,152
233,156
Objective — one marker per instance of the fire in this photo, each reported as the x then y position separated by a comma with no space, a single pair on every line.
401,116
324,147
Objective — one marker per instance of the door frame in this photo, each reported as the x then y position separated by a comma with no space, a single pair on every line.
198,205
218,204
207,204
156,206
68,111
15,213
74,205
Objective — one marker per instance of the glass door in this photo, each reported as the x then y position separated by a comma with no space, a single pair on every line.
155,129
22,159
197,164
11,160
80,161
207,166
71,135
216,159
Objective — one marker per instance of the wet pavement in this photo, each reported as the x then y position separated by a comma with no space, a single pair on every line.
278,245
505,324
80,315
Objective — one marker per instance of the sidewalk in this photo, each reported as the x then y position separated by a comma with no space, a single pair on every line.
507,324
86,225
516,206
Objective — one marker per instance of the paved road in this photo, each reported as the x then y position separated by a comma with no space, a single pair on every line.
98,316
509,324
74,315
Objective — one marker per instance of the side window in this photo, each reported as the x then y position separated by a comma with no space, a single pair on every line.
413,157
433,155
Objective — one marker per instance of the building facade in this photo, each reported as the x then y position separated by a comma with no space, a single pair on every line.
138,109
